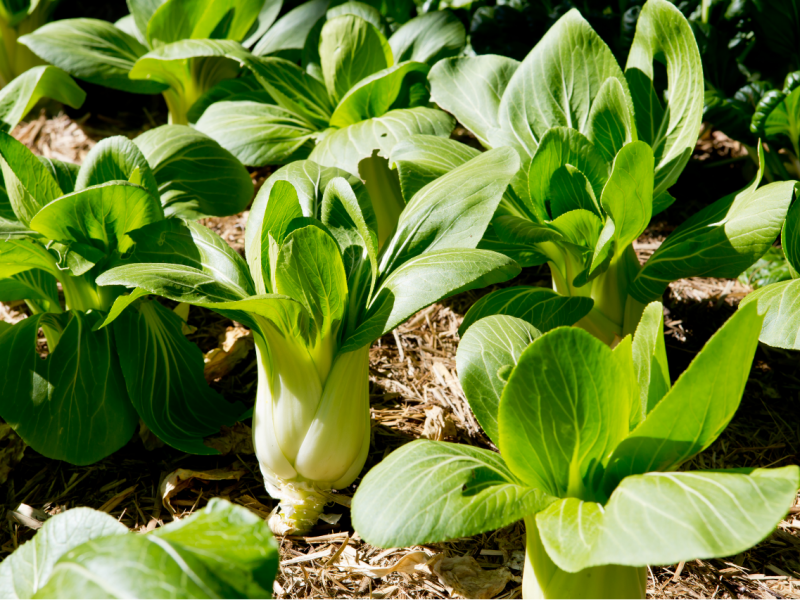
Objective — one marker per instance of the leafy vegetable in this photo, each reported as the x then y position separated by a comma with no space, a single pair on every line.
599,148
221,551
17,19
357,95
172,47
60,223
591,442
317,293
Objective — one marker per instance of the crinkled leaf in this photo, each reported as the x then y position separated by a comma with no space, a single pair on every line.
114,158
429,38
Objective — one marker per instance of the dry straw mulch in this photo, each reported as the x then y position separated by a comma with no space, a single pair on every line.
415,393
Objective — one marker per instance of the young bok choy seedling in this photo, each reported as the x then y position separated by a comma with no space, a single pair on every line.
177,48
599,150
64,224
591,442
316,293
220,551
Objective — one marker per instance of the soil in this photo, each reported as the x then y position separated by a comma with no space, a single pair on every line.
415,392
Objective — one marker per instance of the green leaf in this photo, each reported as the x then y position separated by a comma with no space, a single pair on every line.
288,35
115,158
77,391
790,236
471,88
265,19
28,182
345,148
650,359
258,134
423,280
310,270
17,256
99,216
190,67
564,409
664,518
697,408
429,38
721,240
374,95
344,217
453,211
434,491
293,89
194,172
363,10
30,566
230,90
92,50
177,20
663,34
558,147
309,179
221,551
628,195
422,158
176,282
23,92
142,11
556,84
610,124
543,308
65,173
491,347
173,241
164,374
351,49
34,284
284,208
780,305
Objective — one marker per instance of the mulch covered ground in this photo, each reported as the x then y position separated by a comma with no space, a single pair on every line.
414,392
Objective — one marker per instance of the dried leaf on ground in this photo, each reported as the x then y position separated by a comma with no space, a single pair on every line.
464,576
182,479
235,344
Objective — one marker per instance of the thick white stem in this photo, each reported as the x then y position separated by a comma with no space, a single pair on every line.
310,436
541,578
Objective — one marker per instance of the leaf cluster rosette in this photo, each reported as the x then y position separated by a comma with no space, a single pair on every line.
61,224
177,48
220,551
316,292
599,149
592,442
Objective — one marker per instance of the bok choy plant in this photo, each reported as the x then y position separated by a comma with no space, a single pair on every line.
316,293
221,551
591,442
177,48
359,94
17,19
64,225
599,150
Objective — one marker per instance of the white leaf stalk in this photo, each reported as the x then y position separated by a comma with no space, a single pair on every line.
311,427
542,578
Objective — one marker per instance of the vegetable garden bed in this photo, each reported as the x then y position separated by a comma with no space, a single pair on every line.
414,392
